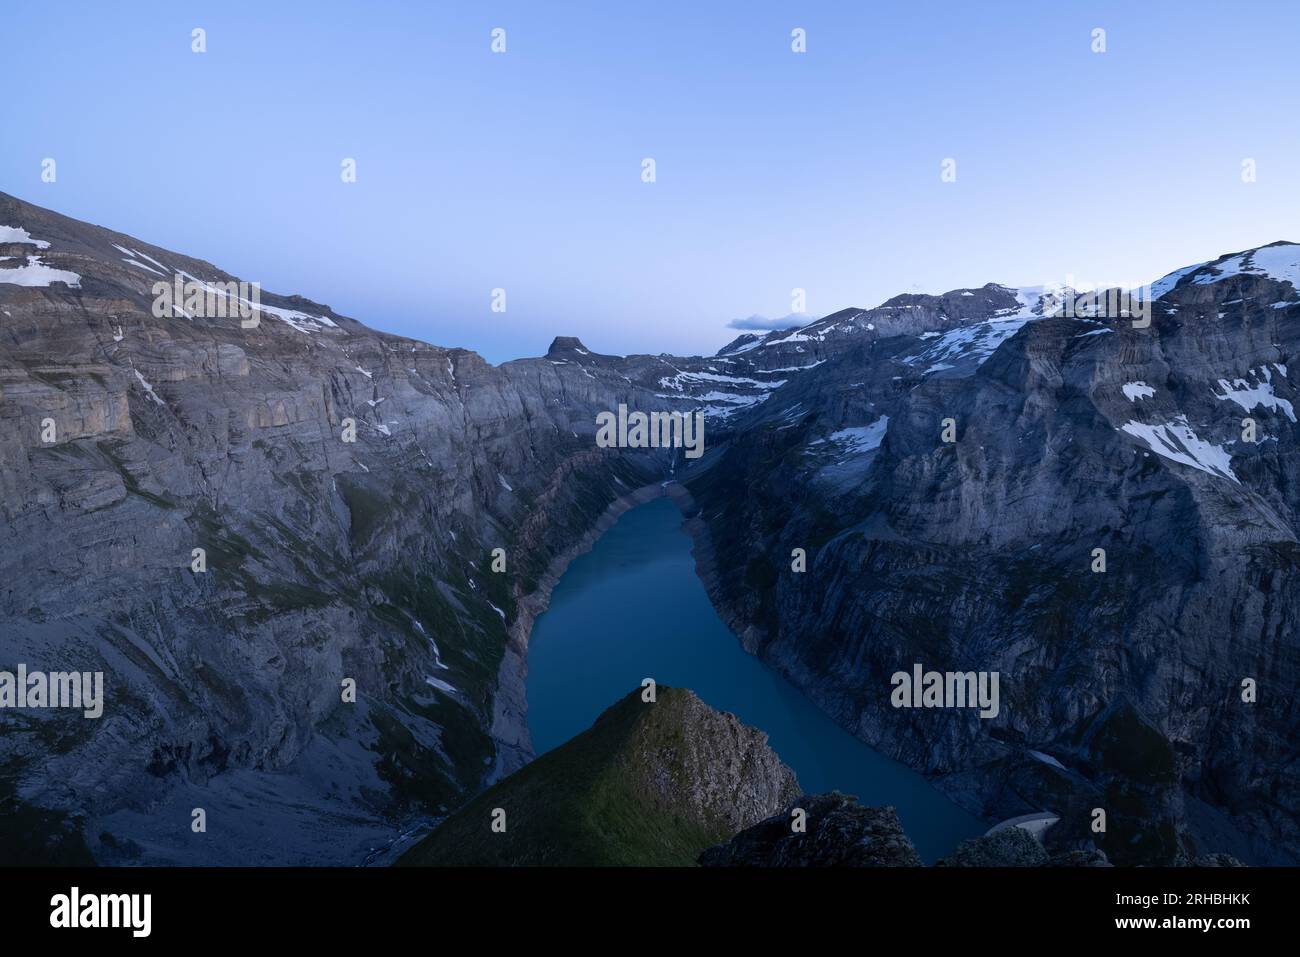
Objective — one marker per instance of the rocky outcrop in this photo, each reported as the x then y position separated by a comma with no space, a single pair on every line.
1215,860
651,783
1008,847
838,832
1080,857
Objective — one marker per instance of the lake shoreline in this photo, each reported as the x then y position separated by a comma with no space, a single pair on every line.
509,729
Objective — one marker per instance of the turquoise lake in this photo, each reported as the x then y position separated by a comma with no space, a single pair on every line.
633,608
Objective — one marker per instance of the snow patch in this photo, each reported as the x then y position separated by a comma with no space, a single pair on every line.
1252,394
1177,442
811,365
859,439
16,234
148,388
1280,263
1137,390
34,274
1046,759
677,381
975,342
1166,283
440,685
131,259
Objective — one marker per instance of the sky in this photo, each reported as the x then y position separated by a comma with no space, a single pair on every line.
774,171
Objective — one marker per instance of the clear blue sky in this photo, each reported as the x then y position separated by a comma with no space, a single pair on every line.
775,170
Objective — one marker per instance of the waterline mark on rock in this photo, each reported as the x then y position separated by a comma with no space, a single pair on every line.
652,430
946,689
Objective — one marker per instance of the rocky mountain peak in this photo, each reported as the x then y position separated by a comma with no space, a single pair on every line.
562,346
743,339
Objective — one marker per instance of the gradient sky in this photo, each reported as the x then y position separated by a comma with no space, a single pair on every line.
775,170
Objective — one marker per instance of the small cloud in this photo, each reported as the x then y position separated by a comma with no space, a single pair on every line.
792,321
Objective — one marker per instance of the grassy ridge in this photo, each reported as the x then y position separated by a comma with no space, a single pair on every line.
621,793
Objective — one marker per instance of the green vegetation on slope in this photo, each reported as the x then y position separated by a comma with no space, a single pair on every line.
649,784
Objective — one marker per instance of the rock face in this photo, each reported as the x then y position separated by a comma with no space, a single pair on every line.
235,522
649,784
840,833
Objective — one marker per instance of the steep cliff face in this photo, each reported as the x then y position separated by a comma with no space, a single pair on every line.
1121,689
127,441
651,783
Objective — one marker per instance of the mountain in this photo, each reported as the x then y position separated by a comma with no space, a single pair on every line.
1121,690
326,560
1157,690
651,783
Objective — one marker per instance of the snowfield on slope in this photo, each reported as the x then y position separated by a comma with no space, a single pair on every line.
858,438
33,273
1177,442
1252,394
